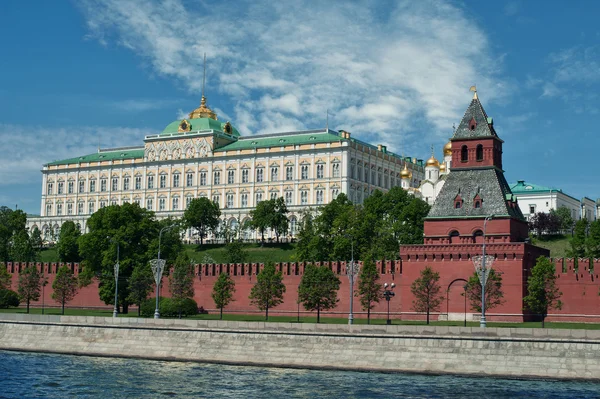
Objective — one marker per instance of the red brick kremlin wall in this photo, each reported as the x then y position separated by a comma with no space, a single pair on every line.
580,286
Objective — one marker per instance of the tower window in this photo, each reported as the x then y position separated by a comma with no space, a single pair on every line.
479,152
472,124
457,205
477,204
464,153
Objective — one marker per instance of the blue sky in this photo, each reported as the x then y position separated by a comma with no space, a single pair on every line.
74,75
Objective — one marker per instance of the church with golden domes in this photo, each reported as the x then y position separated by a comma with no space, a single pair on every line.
201,156
435,175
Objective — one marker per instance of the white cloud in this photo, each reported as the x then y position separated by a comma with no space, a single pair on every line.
140,104
388,71
28,147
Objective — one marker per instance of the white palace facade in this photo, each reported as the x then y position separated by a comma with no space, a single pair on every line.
203,157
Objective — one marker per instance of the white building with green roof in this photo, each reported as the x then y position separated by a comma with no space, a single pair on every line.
534,198
202,156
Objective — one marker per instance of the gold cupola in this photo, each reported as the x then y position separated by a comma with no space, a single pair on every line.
405,173
203,111
443,168
432,162
448,148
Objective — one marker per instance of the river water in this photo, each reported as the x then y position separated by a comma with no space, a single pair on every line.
34,375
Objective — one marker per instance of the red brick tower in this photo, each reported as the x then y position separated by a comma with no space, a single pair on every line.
454,228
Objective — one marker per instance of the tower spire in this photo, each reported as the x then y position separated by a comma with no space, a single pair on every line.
203,75
474,90
203,111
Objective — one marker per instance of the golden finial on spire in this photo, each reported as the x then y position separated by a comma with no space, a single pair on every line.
474,89
203,111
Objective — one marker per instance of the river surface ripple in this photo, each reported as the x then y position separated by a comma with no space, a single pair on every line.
39,375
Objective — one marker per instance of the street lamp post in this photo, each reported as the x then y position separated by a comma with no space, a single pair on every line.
351,271
388,293
158,266
298,303
116,309
116,271
483,271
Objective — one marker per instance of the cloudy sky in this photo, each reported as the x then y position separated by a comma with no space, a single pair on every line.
75,75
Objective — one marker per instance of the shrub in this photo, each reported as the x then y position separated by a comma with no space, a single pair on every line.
8,299
168,307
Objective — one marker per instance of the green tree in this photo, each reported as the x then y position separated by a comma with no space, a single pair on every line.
30,284
8,299
369,288
592,241
22,249
14,239
578,240
140,285
36,239
279,220
64,286
542,292
268,290
565,218
5,279
181,281
203,215
67,246
136,232
426,290
235,253
223,291
262,217
318,289
494,296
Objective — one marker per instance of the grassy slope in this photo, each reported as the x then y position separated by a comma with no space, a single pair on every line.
256,253
558,245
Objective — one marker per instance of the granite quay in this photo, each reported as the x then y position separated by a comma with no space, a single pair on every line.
520,353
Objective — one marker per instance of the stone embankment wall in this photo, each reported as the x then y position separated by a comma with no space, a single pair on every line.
497,352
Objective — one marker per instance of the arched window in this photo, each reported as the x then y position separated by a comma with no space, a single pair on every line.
477,204
479,152
453,236
478,236
464,154
457,205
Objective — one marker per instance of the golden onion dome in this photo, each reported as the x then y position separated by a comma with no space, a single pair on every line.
448,148
405,174
203,111
443,168
432,162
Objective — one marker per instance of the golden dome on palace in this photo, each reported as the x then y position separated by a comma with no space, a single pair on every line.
432,162
405,173
203,111
448,148
443,167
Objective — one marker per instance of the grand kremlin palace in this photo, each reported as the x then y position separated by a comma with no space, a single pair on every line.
202,156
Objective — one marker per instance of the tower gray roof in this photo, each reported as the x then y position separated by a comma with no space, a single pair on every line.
491,186
483,126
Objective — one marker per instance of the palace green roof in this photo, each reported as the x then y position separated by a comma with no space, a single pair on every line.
200,124
285,139
522,188
117,154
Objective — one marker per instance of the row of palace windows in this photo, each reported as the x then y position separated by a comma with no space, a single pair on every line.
375,178
175,203
189,179
464,153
